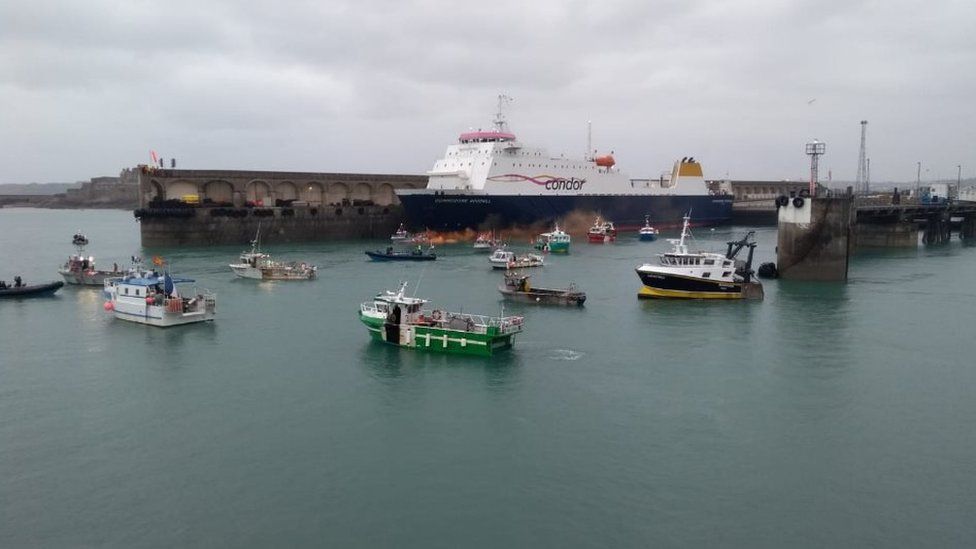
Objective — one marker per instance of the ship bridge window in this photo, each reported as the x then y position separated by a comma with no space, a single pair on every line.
709,262
726,273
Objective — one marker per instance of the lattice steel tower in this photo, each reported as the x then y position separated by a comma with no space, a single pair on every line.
863,184
815,150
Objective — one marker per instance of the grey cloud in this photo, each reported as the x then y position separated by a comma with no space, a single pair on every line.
384,86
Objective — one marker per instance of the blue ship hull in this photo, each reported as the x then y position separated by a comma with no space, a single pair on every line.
452,212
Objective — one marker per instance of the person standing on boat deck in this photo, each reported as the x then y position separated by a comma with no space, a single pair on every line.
18,282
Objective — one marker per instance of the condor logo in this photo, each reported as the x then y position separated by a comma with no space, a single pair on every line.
551,183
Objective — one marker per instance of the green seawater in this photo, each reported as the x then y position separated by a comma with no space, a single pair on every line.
827,415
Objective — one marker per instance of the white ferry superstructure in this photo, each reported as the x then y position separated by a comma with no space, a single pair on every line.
489,179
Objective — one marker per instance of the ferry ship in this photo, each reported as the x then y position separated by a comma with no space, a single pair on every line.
489,179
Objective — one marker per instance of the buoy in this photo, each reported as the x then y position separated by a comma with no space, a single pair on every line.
108,306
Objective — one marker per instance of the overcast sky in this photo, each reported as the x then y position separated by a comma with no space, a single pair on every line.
88,88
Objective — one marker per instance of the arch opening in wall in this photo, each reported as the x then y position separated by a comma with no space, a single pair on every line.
385,195
313,193
156,191
286,190
178,189
337,193
218,192
362,192
258,193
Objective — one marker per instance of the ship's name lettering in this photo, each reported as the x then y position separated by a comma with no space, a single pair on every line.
565,184
462,201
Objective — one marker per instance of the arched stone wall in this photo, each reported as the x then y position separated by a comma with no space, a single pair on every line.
385,195
179,189
314,193
259,191
337,192
286,190
219,191
362,191
156,190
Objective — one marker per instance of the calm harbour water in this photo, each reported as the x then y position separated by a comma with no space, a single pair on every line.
826,415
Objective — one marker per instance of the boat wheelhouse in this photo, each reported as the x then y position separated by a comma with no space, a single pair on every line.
393,317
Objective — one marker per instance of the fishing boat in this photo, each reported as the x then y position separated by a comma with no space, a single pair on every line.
555,241
486,242
647,233
492,176
698,275
395,318
395,255
19,289
400,234
79,239
419,238
159,300
517,287
601,231
257,265
505,259
79,270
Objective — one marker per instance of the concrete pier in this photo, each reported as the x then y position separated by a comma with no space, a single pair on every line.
814,240
901,234
937,229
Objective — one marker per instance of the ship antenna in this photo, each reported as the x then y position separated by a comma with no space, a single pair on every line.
419,279
500,124
589,140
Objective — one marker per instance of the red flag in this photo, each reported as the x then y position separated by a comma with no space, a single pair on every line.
155,158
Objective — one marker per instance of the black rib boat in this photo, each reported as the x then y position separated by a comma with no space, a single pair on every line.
391,255
34,290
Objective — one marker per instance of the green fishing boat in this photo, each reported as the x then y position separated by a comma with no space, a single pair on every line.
556,241
400,320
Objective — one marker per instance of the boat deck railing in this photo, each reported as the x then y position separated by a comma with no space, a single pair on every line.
481,323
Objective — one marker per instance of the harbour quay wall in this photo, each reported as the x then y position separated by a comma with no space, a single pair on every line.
171,227
211,207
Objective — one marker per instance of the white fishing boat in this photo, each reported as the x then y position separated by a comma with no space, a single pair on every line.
400,234
505,259
486,242
80,270
257,265
160,300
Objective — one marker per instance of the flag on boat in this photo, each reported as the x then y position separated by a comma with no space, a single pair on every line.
157,260
154,156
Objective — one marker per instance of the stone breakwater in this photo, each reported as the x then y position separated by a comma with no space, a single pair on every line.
170,227
213,207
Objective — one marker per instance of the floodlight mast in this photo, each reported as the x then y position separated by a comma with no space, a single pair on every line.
815,150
